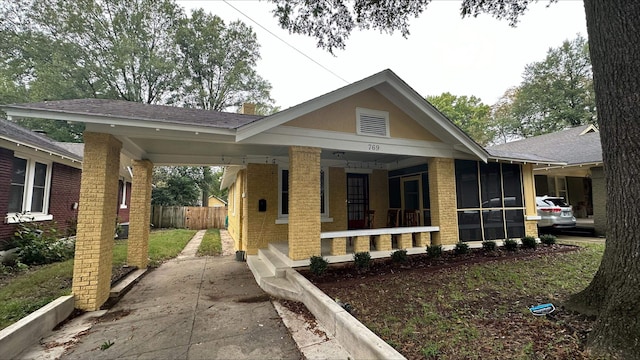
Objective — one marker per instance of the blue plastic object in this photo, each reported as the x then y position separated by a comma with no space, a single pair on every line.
542,309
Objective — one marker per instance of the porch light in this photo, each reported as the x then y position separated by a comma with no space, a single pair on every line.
338,154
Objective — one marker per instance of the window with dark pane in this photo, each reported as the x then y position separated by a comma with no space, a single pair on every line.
493,224
18,179
322,191
285,192
515,223
469,228
490,185
39,182
512,183
467,184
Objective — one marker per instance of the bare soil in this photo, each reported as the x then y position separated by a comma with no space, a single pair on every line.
421,312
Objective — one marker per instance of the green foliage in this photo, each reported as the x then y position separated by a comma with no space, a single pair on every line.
318,265
434,251
219,63
548,239
488,245
186,185
468,113
362,260
511,245
40,246
106,345
399,256
461,248
557,92
529,242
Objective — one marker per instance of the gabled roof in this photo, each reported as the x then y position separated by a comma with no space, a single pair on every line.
575,146
18,135
395,89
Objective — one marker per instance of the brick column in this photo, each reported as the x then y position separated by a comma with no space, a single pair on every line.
442,191
304,202
423,239
599,198
96,221
530,211
382,242
139,214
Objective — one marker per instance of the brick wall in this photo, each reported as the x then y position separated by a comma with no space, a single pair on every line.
65,192
304,210
123,214
379,196
96,220
138,247
442,191
6,164
337,200
262,184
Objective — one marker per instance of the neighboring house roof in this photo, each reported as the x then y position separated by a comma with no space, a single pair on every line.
217,198
18,135
76,148
575,146
129,110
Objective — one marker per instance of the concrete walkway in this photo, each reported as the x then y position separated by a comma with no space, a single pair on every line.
188,308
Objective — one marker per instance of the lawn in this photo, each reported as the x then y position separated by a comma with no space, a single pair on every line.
211,244
27,291
474,310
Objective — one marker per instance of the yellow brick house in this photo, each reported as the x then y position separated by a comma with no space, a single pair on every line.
371,167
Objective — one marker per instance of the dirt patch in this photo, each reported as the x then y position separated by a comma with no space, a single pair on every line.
300,309
113,316
431,308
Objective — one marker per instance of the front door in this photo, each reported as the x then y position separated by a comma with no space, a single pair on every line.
357,200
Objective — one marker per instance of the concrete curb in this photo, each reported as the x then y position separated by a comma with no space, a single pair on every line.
354,337
30,329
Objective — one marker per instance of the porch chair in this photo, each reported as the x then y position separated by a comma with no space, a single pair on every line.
370,219
412,217
393,218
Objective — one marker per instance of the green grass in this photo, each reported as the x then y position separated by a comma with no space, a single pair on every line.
25,292
211,244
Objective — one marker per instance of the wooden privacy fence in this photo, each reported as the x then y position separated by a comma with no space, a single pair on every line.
188,217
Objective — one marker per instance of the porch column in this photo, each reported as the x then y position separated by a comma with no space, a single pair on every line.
442,191
304,202
530,213
96,221
599,197
139,216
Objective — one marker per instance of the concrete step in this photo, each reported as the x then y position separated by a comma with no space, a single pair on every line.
274,262
281,288
259,268
124,285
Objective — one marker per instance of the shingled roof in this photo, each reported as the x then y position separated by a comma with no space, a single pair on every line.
130,110
13,132
575,146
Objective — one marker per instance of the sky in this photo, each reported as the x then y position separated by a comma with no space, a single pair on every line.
480,56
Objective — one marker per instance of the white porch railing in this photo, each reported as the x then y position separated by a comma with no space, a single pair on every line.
407,237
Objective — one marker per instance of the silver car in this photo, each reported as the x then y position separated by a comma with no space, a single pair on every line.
554,212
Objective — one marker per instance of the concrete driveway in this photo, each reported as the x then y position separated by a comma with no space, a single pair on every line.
190,308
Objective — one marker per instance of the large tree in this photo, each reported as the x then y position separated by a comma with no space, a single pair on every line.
219,63
557,92
614,47
468,112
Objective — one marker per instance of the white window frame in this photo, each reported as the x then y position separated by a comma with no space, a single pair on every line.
123,202
324,216
374,113
27,195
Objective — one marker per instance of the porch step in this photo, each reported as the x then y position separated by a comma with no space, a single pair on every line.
279,287
273,262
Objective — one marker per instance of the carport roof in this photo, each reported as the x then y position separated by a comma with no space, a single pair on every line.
128,110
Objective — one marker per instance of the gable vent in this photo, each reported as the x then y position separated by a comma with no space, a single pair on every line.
371,122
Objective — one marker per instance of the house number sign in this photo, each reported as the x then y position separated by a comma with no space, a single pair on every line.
374,147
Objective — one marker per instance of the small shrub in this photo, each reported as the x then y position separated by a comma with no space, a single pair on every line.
362,260
434,251
529,242
399,256
511,245
40,246
318,265
488,245
461,248
548,239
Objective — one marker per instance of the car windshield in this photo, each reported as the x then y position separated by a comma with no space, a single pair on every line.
555,202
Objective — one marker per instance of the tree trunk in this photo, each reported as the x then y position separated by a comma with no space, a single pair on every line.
614,293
